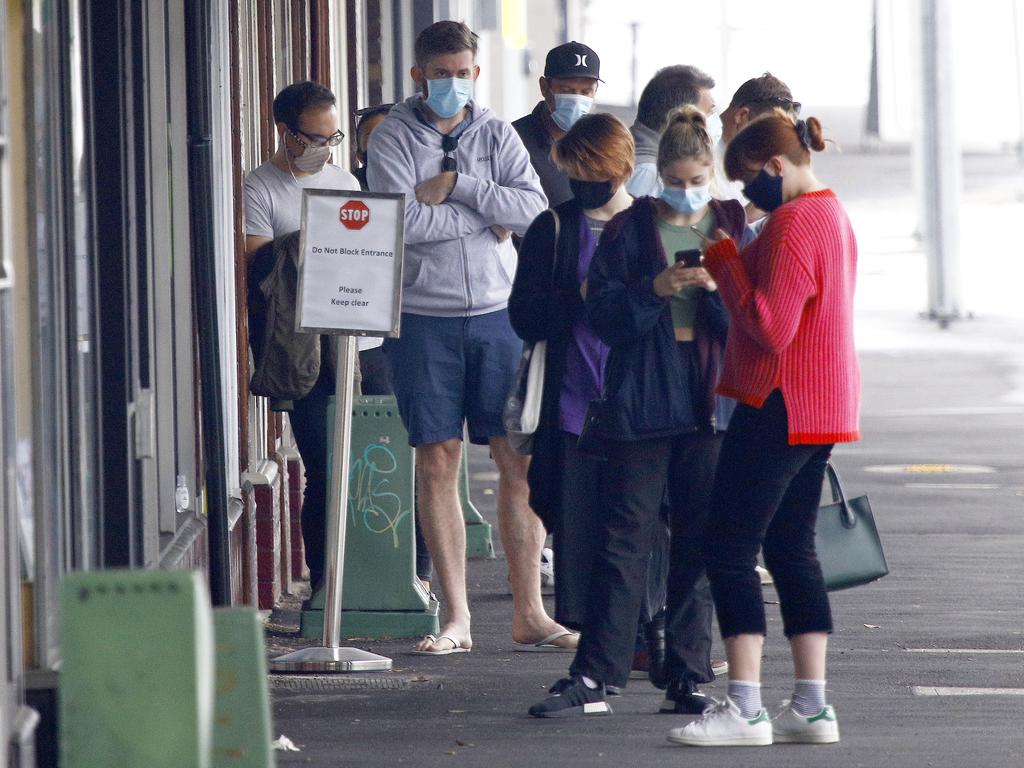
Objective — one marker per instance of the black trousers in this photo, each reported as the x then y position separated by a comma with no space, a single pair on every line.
766,494
633,490
309,425
691,475
575,531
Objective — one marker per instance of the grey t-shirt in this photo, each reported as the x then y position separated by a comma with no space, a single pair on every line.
273,199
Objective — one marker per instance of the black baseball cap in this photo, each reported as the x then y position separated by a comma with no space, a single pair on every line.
572,60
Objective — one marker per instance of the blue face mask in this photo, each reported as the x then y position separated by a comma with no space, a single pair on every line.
688,200
447,95
765,191
570,107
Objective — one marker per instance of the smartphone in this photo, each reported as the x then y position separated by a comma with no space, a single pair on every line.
689,258
700,234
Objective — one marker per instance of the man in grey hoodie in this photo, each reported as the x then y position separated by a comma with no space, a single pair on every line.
468,184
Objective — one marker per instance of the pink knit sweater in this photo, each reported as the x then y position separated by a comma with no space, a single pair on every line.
790,300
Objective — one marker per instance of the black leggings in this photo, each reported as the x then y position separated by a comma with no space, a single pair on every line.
766,493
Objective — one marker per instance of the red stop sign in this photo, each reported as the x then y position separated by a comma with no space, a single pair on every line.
354,214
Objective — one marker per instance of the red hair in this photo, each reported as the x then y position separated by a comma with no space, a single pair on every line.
597,148
774,133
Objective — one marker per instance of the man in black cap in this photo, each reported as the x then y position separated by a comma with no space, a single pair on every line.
569,85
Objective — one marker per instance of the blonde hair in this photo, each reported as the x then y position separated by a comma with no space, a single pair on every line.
686,137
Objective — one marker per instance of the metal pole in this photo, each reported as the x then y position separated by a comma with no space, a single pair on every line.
634,65
941,171
1019,60
337,494
331,657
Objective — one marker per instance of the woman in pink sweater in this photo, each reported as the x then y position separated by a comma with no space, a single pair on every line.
791,364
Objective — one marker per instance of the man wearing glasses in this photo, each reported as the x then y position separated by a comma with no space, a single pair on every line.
756,97
307,130
468,183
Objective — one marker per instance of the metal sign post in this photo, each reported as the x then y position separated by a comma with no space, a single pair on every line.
350,282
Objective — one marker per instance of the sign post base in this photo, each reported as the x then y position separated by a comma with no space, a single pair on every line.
330,660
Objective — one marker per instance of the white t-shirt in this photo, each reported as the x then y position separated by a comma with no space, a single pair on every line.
273,204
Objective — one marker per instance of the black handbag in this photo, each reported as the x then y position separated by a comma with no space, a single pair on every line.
846,539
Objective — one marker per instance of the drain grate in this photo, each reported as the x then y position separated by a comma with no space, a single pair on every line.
329,683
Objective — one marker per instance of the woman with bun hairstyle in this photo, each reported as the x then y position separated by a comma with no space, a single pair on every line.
547,304
665,327
791,365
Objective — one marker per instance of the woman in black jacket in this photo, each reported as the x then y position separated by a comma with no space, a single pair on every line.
547,304
659,422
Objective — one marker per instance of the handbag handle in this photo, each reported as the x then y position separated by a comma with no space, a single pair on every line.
839,495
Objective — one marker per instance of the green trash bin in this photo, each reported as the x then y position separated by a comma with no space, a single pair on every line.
381,596
137,677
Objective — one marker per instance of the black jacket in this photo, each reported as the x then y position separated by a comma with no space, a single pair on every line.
537,140
544,304
647,390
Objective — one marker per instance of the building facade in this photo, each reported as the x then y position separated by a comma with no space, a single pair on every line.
128,437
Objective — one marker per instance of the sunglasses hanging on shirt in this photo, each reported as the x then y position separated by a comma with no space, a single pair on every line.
448,145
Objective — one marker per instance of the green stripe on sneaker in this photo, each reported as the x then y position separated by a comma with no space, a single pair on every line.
761,718
825,714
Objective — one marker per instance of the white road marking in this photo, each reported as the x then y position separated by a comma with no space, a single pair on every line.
929,690
971,651
968,410
956,486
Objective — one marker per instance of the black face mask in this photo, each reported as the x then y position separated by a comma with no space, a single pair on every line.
764,191
591,194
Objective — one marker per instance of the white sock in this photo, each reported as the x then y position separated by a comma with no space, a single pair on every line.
809,697
746,696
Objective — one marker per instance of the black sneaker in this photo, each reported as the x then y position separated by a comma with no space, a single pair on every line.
573,699
683,698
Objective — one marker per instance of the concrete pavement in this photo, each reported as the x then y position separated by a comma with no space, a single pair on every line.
943,464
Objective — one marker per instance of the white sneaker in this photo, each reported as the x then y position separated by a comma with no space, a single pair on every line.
790,727
723,726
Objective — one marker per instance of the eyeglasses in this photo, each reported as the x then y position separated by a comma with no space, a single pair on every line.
448,145
317,141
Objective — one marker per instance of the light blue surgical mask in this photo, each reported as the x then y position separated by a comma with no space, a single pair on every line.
570,107
688,200
447,95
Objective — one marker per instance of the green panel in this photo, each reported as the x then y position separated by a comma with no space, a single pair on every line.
380,545
241,722
478,530
137,682
374,624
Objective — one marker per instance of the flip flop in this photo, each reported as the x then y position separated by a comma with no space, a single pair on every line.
547,645
456,647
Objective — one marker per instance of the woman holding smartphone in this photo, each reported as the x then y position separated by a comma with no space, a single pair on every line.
665,326
791,364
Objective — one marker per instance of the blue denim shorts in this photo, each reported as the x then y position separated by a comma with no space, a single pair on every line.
447,371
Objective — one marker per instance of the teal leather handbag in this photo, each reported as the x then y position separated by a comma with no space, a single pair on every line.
846,539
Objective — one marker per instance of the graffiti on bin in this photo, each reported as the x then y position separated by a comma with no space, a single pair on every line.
370,501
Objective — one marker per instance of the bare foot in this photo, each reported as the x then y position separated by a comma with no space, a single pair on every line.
535,633
450,633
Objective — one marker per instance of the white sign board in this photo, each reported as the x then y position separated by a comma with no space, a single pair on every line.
350,273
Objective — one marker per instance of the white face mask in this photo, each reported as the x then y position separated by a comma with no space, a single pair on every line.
714,124
312,160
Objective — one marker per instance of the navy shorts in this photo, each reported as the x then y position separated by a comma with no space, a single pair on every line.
450,370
